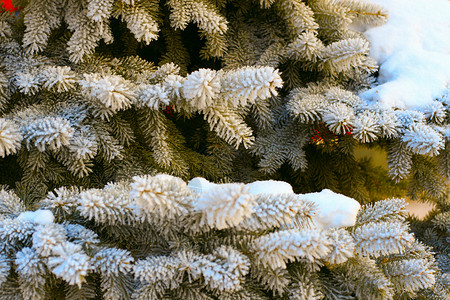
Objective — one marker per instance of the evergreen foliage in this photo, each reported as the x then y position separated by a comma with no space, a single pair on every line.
94,93
155,238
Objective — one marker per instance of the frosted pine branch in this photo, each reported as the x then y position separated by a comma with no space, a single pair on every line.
110,205
140,23
153,96
399,160
423,139
180,13
79,234
4,90
62,199
47,237
365,12
5,30
59,79
276,211
14,230
159,271
246,85
30,266
113,92
174,85
207,18
70,263
225,206
298,16
113,261
4,268
10,204
342,246
48,133
37,26
10,137
219,212
99,10
389,124
225,271
305,286
338,94
97,93
27,82
392,210
366,128
339,118
83,146
276,249
229,126
306,108
201,88
306,47
163,195
87,33
435,112
383,238
411,275
345,54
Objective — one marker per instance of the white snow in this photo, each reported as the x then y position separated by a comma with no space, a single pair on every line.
40,216
200,185
269,187
413,51
334,210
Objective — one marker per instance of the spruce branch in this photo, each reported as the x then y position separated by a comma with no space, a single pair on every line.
140,19
10,204
423,139
275,249
4,268
228,125
382,238
410,275
246,85
391,210
10,137
225,206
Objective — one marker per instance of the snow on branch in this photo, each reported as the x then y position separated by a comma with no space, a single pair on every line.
276,249
423,139
225,206
48,133
163,195
214,236
140,21
201,88
113,92
4,268
345,54
411,275
10,137
382,238
246,85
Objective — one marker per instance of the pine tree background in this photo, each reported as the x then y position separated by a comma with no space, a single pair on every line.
97,97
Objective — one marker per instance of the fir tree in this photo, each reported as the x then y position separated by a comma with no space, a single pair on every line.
156,238
95,93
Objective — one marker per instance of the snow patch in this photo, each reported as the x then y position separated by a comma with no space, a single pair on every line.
413,51
334,210
40,216
200,185
269,187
